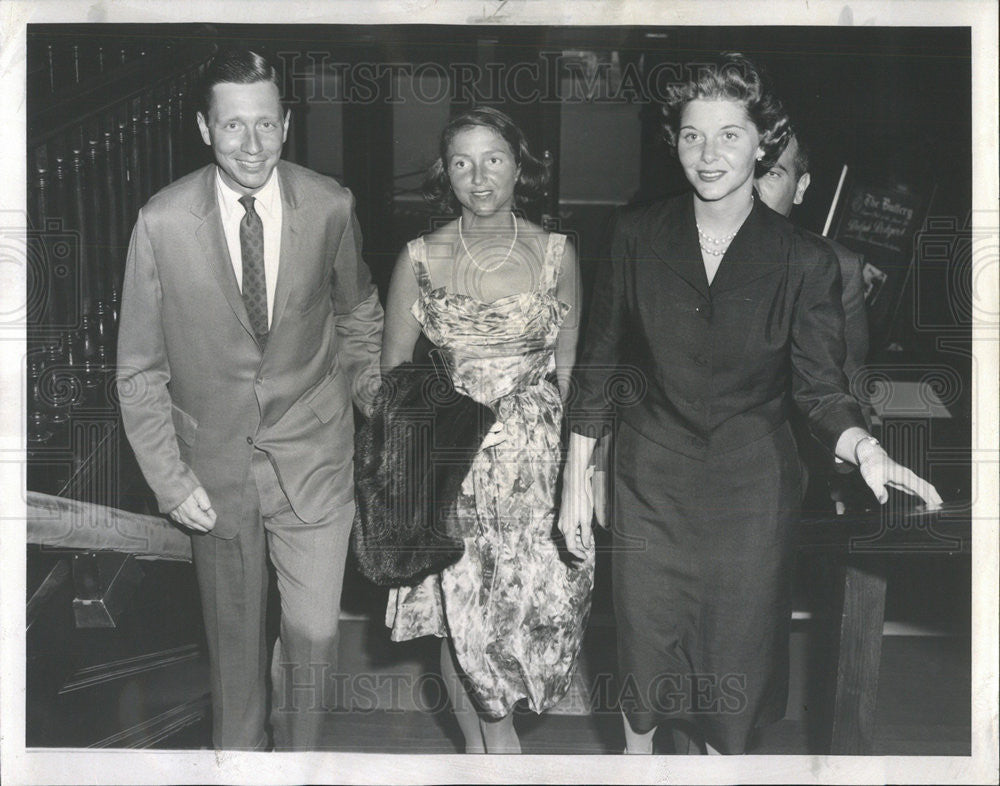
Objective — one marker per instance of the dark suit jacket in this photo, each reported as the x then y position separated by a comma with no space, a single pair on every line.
853,300
856,340
197,393
698,368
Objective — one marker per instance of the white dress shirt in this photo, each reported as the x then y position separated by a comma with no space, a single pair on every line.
267,204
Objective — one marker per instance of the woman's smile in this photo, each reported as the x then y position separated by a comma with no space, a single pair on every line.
718,146
482,171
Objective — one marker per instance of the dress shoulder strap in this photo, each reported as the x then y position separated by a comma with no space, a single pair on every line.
553,261
417,250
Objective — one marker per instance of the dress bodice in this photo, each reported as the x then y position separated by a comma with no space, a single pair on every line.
493,348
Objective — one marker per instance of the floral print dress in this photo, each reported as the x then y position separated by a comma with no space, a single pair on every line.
514,609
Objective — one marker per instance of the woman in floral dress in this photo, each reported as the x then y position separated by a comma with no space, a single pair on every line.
498,295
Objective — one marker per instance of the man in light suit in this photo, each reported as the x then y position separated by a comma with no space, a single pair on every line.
781,188
247,327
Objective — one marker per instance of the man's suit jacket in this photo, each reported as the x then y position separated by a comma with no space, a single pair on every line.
198,395
698,368
853,300
856,340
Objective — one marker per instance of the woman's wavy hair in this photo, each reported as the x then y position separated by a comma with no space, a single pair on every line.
732,77
531,182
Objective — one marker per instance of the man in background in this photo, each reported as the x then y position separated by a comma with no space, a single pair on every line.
782,187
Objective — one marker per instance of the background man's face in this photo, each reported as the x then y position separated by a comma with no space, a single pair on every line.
246,130
779,187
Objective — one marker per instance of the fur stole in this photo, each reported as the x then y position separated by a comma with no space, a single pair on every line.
411,457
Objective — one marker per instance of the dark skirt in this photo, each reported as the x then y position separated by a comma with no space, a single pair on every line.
702,570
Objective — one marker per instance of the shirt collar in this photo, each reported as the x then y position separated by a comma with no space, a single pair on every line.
265,200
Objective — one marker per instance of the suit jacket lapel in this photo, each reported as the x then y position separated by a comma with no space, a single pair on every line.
753,253
675,242
212,240
291,232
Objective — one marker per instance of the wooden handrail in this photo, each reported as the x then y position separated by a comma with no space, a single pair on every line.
61,523
878,531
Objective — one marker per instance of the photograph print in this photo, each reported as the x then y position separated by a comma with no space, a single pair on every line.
570,389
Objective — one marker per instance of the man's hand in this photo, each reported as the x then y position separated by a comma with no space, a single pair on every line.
195,512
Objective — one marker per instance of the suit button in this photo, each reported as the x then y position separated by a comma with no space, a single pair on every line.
704,310
259,380
249,440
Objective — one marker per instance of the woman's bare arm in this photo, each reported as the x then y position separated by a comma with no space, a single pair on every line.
401,328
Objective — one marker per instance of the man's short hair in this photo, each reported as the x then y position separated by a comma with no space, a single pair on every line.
242,66
801,160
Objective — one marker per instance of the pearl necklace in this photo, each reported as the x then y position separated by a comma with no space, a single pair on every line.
715,252
719,241
474,260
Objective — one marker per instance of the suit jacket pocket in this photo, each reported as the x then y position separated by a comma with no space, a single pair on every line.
328,398
184,425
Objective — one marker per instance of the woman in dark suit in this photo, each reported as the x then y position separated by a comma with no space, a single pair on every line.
715,315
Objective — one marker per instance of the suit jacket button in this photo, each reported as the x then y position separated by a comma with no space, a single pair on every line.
259,380
249,440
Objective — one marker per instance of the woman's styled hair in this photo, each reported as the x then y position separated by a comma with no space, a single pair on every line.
242,66
531,182
732,77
